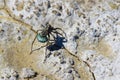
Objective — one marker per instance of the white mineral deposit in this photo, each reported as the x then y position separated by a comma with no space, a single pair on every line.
59,39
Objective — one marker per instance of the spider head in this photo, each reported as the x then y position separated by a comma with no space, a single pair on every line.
47,30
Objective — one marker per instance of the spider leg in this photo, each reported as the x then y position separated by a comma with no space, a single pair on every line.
39,30
52,41
32,44
49,43
49,37
47,54
39,48
58,28
58,32
34,41
53,36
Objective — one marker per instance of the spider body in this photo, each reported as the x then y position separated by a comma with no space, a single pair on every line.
44,36
41,38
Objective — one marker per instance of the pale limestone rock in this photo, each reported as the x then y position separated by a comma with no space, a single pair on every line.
27,73
92,31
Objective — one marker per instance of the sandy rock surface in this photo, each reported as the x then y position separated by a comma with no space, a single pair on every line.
86,48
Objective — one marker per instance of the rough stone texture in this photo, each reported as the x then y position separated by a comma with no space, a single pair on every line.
27,73
92,49
8,74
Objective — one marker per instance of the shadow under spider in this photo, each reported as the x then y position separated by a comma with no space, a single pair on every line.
58,44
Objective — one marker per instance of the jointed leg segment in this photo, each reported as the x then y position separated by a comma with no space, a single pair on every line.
33,43
55,31
39,48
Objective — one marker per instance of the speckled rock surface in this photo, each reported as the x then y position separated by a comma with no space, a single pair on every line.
88,50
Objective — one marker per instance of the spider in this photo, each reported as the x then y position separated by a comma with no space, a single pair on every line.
44,36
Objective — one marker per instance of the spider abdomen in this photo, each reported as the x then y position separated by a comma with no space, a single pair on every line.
42,39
